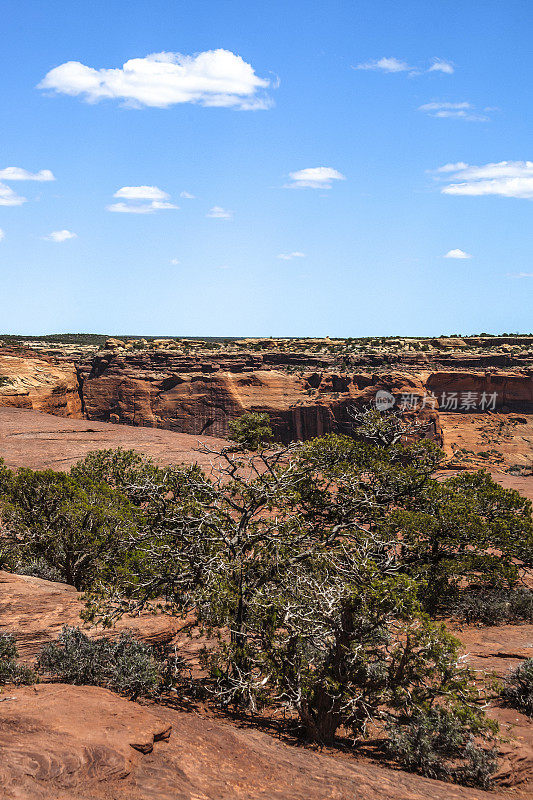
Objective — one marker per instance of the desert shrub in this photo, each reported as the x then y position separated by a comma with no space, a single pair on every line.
124,664
10,671
38,568
518,688
492,606
439,744
251,430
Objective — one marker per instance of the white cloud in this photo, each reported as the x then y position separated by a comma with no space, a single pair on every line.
462,110
10,198
520,274
159,200
175,261
504,178
141,193
290,256
386,65
314,178
212,78
60,236
2,234
457,254
217,212
19,174
187,196
440,65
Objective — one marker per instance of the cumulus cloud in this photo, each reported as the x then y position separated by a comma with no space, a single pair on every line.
137,198
394,65
503,178
440,65
314,178
141,193
60,236
10,198
19,174
462,110
457,254
217,212
187,196
212,78
290,256
2,234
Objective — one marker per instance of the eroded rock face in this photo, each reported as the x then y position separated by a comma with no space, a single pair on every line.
177,393
35,383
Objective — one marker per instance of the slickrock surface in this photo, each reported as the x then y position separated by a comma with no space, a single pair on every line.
84,743
43,441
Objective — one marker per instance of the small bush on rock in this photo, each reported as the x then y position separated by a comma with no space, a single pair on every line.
493,606
439,744
124,665
10,671
518,688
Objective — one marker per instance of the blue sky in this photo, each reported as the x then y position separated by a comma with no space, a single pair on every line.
362,103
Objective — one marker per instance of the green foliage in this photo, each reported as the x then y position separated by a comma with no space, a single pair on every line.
251,431
459,530
440,744
518,689
10,671
124,664
492,606
70,524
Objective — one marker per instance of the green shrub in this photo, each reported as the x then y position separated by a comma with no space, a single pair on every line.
518,688
251,430
439,744
493,606
124,664
10,671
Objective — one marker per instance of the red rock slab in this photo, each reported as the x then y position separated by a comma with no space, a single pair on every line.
80,743
42,441
495,649
35,610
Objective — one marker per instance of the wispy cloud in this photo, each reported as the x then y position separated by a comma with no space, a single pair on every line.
60,236
141,200
392,65
314,178
217,212
503,178
10,198
20,174
212,78
389,64
291,256
2,234
440,65
175,261
520,274
457,253
445,110
187,196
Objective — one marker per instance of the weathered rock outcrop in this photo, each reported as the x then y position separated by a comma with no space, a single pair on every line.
35,610
36,383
